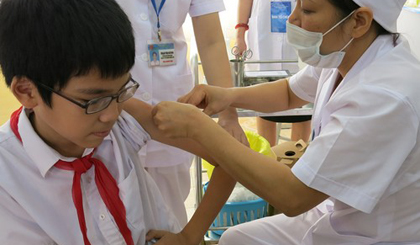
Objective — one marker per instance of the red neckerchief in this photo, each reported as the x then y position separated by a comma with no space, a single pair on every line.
107,187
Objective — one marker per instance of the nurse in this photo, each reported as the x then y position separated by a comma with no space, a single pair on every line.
365,157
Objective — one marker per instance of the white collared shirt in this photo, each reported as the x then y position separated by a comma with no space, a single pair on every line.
36,205
366,153
164,83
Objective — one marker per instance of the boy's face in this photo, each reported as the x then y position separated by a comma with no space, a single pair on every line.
66,127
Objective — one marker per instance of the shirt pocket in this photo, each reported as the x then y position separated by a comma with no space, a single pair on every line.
130,196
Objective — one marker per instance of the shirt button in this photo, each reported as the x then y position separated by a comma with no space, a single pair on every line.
146,96
144,16
144,57
102,216
89,179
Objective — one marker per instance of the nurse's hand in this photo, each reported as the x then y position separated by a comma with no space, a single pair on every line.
210,98
177,120
166,238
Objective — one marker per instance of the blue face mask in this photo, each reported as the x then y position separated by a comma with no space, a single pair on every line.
307,45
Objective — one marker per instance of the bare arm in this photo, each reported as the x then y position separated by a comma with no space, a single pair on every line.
275,182
267,97
212,49
141,111
244,12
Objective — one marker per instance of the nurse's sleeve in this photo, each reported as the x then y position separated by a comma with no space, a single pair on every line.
202,7
132,131
359,152
304,83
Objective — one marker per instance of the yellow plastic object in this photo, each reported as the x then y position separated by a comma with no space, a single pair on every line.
256,142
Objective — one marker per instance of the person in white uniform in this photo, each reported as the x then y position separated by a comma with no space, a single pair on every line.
266,38
168,166
363,80
265,22
69,166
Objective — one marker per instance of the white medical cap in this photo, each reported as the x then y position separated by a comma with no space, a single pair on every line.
385,12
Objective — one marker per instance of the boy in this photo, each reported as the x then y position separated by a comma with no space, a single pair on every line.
69,170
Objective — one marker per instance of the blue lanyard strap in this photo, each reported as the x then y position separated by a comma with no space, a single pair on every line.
158,10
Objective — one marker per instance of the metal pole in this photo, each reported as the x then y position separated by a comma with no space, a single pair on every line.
270,61
199,192
266,61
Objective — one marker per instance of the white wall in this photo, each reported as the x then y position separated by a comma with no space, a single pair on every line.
409,26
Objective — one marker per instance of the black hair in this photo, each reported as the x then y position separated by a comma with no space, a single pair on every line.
51,41
348,6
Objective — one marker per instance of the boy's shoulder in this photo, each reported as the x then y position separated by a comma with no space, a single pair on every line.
10,149
6,135
131,131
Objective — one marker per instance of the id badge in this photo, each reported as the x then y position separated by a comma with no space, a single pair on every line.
161,53
280,11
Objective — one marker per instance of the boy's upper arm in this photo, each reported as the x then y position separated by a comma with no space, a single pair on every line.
142,112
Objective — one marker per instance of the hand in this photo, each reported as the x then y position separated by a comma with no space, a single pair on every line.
228,120
177,120
210,98
241,44
166,237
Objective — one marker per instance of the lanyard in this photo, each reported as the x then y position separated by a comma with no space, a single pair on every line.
157,11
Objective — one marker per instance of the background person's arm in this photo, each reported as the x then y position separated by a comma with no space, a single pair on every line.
212,50
244,12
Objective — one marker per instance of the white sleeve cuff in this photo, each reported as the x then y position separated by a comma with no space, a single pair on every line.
199,8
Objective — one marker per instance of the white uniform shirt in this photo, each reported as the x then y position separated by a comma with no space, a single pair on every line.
265,44
168,82
366,155
36,205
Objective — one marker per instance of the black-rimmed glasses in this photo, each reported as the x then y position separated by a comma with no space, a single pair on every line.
101,103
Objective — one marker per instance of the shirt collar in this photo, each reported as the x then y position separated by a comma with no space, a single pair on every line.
381,45
41,154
